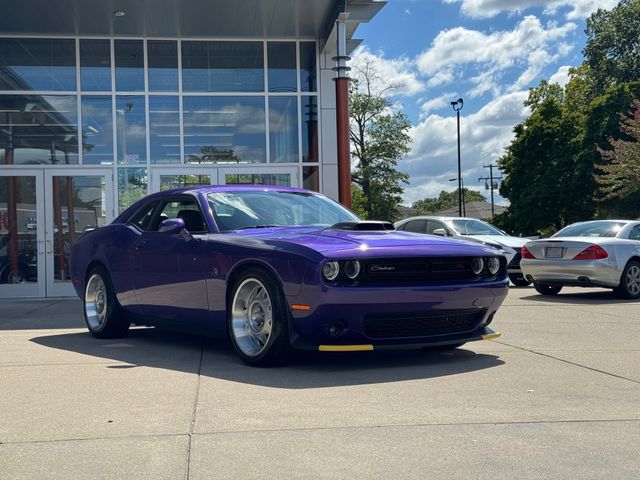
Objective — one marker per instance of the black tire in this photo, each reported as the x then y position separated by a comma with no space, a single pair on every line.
519,280
547,289
102,313
259,331
629,287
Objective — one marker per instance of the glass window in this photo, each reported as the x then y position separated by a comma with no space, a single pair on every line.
282,66
129,58
132,186
308,66
255,208
635,233
474,227
222,67
38,129
130,129
37,64
599,228
167,182
310,129
283,129
224,129
279,179
162,59
95,65
97,130
311,178
433,225
187,209
416,226
164,129
143,217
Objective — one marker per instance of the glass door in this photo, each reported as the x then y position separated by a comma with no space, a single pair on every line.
265,175
168,178
22,239
77,200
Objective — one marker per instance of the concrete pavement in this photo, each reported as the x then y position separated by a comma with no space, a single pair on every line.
558,396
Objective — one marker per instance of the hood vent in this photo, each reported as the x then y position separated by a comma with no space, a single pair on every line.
363,226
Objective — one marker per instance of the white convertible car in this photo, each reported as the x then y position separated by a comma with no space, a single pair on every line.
600,253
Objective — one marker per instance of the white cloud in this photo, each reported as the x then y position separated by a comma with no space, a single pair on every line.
578,9
530,45
561,77
484,136
399,72
435,104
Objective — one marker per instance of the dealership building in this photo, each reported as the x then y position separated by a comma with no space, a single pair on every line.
103,102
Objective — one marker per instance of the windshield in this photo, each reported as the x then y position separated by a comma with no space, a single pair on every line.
474,227
591,229
259,209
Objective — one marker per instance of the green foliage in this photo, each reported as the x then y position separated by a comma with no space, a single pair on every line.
552,167
620,171
612,45
446,200
357,202
379,138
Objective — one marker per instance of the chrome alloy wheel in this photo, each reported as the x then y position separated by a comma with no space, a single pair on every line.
251,317
95,302
633,280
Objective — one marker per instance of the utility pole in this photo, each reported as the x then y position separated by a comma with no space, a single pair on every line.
491,179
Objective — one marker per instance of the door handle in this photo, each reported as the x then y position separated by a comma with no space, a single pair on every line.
48,246
140,244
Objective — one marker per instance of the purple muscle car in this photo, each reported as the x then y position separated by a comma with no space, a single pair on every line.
278,268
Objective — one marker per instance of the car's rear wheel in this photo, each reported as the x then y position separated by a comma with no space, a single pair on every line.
101,310
629,281
547,289
519,280
258,319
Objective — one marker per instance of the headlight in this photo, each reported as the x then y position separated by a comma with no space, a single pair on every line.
330,270
493,264
352,269
477,265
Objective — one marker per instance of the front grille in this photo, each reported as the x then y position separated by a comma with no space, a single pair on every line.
416,269
421,324
515,261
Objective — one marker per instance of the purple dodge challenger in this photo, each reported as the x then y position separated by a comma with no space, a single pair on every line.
278,268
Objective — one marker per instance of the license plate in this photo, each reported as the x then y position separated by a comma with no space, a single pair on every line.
553,252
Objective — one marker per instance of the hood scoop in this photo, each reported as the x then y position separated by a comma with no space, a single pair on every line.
369,226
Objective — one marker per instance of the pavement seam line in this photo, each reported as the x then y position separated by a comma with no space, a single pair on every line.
193,413
568,362
301,429
39,308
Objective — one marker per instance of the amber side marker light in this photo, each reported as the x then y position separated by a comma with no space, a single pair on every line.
300,307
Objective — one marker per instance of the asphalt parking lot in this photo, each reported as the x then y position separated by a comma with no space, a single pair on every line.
558,396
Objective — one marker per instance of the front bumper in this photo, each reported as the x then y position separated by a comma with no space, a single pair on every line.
598,273
354,311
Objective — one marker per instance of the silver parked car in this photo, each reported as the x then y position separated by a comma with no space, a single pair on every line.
476,231
600,253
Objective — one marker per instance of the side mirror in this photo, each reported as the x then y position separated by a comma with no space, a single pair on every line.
440,232
171,225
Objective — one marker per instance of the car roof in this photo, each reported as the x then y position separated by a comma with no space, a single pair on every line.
437,217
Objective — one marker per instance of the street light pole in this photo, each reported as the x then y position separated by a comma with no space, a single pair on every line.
464,203
457,106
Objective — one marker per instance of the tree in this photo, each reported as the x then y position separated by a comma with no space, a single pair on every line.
379,138
620,172
612,50
446,200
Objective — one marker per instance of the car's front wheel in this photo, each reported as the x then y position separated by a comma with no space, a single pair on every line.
101,310
547,289
519,280
629,281
258,319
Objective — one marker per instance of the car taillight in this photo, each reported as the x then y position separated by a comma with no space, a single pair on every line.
526,253
594,252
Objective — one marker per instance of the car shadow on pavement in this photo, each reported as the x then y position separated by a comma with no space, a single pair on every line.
600,297
159,348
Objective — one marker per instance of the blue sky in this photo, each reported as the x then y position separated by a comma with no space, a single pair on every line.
490,52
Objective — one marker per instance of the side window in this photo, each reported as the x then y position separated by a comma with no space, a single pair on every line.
143,218
416,226
188,210
433,225
635,233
